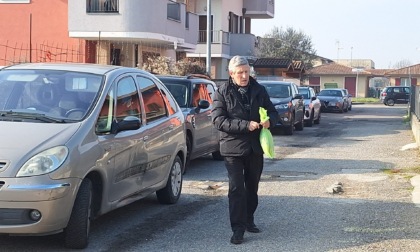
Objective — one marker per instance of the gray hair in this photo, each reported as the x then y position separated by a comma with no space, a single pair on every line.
237,61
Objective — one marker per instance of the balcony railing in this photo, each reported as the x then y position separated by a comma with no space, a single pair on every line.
102,6
220,37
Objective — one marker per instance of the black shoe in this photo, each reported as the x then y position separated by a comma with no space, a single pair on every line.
237,237
252,228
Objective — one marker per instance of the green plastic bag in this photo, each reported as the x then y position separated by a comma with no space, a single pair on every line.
266,139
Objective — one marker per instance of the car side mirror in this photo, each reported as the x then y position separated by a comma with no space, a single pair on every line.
350,95
298,96
203,104
313,98
128,123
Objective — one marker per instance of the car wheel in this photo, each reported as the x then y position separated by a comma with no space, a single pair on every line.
172,191
299,126
188,159
217,156
390,102
318,120
291,128
76,233
311,119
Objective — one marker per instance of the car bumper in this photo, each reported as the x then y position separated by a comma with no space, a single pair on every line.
53,199
332,107
284,119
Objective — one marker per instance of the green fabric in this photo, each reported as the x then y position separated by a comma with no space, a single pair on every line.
266,139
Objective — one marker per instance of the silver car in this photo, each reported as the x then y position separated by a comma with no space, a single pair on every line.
79,140
312,106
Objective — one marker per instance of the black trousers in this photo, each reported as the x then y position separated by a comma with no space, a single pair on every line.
244,175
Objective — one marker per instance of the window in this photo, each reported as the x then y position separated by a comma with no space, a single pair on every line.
174,11
127,104
153,99
202,92
14,1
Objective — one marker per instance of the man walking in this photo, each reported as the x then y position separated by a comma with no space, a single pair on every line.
235,114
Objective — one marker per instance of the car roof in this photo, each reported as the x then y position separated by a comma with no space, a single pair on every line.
76,67
187,78
275,82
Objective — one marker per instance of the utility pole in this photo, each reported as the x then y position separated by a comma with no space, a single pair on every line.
208,58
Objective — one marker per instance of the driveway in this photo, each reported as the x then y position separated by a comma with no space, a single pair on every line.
363,149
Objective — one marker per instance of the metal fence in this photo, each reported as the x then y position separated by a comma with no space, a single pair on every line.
415,101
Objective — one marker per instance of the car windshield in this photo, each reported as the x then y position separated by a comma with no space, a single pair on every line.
304,93
179,92
278,90
327,92
49,94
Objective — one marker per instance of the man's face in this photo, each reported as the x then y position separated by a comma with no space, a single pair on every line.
240,75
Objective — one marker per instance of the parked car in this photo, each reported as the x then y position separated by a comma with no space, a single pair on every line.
289,104
194,94
349,98
333,99
395,94
79,140
312,106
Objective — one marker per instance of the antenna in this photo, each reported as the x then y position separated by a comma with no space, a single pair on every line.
337,42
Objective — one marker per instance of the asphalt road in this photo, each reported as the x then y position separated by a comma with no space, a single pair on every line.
361,149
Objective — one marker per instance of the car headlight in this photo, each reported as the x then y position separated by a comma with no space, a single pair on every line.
44,162
282,106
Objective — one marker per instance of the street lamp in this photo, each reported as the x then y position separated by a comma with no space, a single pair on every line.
357,70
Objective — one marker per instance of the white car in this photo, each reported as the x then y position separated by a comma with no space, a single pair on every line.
312,106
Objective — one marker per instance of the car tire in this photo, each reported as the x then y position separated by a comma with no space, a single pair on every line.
172,190
300,125
76,234
188,159
318,120
311,119
390,102
217,156
291,128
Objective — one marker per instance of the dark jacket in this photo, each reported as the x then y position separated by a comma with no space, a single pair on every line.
232,120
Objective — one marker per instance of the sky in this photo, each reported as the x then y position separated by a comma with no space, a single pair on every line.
384,31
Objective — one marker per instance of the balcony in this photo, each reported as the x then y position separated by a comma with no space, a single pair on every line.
259,9
102,6
225,44
159,22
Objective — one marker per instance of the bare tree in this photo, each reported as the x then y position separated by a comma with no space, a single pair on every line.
287,44
402,63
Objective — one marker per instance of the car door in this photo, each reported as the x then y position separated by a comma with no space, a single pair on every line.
158,127
407,94
399,94
201,118
299,103
124,152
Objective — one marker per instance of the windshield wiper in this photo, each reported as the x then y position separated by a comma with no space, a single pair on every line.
32,116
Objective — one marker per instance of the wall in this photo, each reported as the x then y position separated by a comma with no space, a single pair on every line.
48,32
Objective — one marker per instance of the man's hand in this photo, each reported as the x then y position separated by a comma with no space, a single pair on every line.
265,124
253,126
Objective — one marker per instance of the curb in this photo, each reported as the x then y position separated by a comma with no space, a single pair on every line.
415,194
